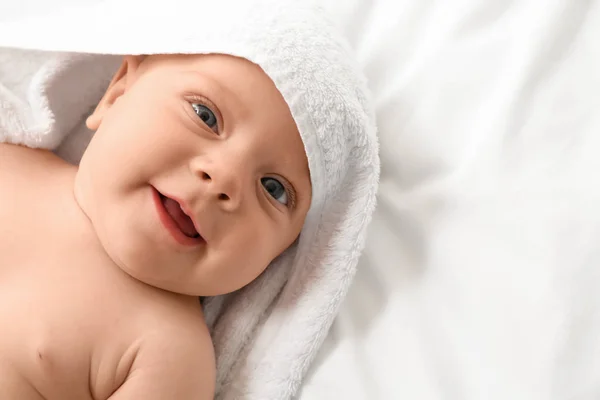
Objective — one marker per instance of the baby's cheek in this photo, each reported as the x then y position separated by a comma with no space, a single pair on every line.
263,247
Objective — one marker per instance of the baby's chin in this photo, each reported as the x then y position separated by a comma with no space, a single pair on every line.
160,267
170,274
154,275
154,263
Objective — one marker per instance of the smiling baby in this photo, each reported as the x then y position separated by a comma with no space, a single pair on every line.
245,165
207,183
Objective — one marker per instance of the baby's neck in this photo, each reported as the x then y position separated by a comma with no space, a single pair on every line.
71,218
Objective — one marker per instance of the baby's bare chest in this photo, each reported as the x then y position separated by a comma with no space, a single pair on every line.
68,327
70,319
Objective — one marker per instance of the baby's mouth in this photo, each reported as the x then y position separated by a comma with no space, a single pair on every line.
183,221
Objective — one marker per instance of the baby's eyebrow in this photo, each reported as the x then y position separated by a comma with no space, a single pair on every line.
220,93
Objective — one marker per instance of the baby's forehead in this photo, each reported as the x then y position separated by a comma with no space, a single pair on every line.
238,78
241,91
205,62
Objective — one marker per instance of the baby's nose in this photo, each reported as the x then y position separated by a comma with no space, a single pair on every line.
223,185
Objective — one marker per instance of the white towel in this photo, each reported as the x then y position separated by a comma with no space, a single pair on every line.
55,66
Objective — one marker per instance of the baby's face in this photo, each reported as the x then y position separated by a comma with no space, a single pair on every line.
196,178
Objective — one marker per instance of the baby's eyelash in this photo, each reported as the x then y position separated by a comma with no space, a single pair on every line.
194,98
291,193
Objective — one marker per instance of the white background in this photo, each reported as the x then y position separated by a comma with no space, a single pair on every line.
481,277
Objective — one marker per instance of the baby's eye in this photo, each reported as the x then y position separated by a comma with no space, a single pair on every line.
276,189
206,115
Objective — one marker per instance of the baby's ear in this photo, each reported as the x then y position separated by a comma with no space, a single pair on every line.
121,81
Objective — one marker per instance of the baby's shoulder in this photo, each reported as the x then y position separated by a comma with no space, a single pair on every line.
19,162
27,174
176,319
28,186
190,335
175,359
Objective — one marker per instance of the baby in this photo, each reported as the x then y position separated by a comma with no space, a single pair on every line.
207,182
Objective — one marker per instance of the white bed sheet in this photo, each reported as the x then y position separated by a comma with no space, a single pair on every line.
481,277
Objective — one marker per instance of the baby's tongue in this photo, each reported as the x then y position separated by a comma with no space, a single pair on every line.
181,219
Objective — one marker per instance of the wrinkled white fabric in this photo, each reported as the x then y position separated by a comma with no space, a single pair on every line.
481,273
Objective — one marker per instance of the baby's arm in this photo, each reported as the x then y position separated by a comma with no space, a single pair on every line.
171,366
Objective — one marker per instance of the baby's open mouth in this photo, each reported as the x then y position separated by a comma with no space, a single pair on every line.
183,221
